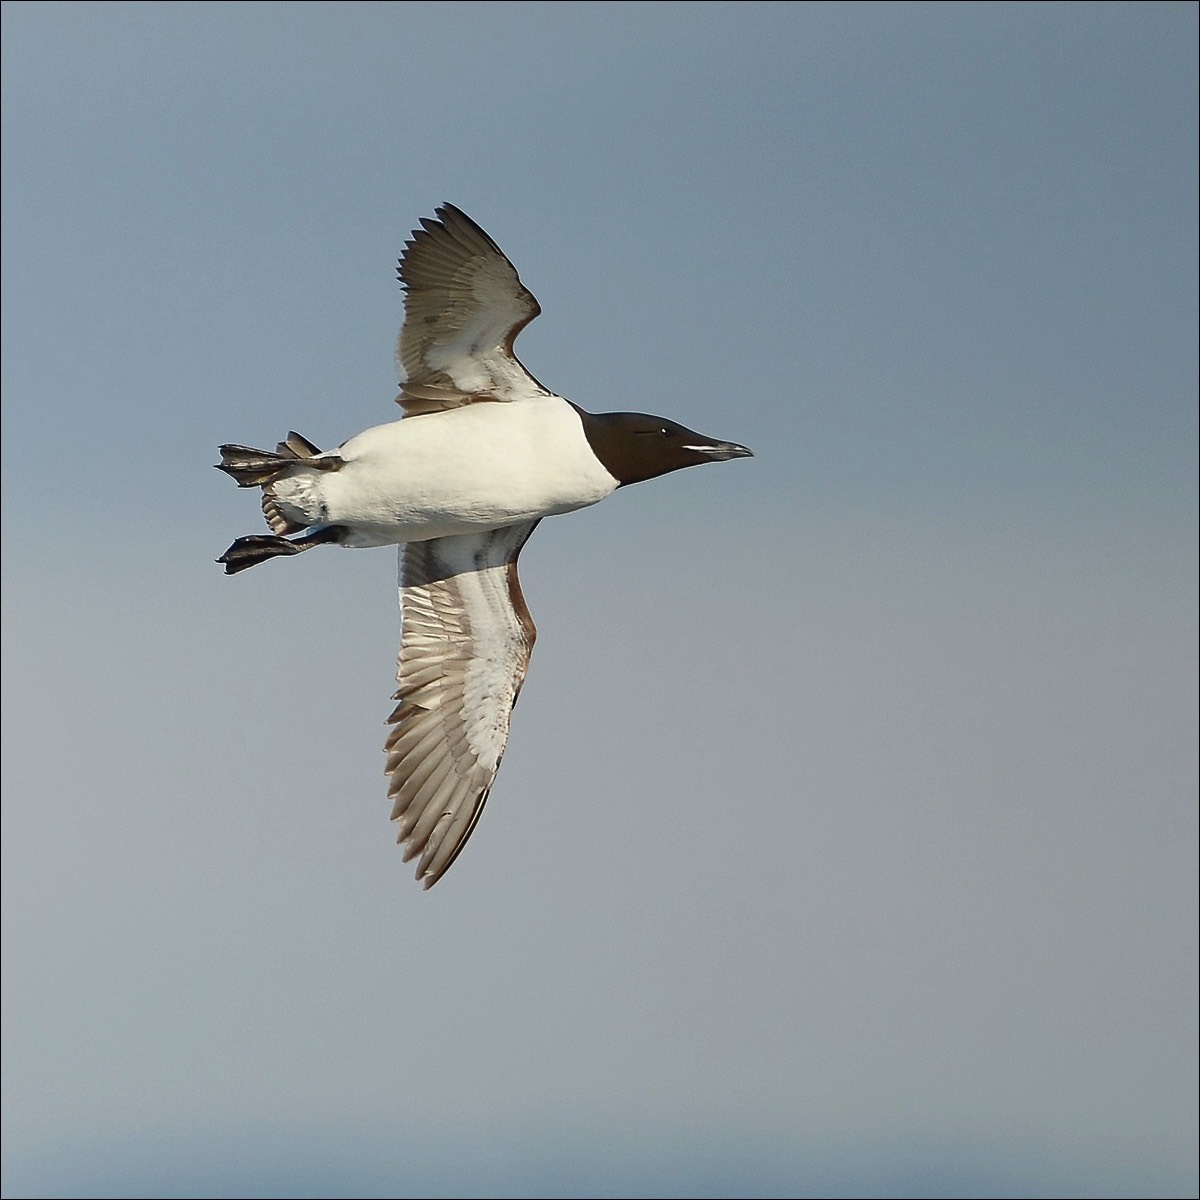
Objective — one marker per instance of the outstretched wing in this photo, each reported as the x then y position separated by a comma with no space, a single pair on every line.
465,305
466,637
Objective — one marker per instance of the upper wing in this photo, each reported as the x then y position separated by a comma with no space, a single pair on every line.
465,305
465,645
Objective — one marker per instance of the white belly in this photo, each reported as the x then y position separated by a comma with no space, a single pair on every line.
461,471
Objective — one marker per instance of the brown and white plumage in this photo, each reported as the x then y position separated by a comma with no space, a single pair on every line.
463,308
482,454
466,633
467,637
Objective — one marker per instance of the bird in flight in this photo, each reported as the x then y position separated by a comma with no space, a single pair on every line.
482,453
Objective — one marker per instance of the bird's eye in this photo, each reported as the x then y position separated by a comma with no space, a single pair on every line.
664,432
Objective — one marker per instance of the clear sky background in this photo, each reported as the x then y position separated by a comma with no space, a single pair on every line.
845,844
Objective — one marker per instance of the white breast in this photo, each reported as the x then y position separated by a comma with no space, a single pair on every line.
478,467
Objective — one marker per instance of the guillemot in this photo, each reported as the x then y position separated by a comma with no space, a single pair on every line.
483,452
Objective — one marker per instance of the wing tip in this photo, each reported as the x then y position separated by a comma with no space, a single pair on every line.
449,220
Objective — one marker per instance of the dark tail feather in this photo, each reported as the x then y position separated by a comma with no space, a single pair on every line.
296,445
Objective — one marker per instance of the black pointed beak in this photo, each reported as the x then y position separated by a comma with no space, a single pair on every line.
721,451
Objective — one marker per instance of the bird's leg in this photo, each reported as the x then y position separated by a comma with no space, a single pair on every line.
258,547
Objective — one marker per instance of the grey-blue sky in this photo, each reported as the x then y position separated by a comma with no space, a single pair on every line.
850,835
